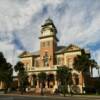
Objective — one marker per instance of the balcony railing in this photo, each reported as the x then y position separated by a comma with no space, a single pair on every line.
53,68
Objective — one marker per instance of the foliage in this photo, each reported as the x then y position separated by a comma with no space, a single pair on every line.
64,76
97,86
42,78
50,77
82,63
19,67
22,76
6,71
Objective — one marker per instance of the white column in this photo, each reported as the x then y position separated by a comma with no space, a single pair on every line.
55,80
37,86
31,80
46,84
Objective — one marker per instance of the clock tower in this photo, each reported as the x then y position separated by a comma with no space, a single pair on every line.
48,43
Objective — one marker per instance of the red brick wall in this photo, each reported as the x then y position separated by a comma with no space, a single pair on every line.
50,49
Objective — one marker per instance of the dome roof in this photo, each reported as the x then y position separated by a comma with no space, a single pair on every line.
48,22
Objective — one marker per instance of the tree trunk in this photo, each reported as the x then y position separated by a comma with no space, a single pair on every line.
82,81
42,89
5,88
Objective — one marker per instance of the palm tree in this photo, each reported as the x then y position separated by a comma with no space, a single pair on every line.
42,78
19,67
82,63
64,77
9,75
22,76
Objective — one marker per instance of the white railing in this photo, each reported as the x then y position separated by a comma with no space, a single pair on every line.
42,68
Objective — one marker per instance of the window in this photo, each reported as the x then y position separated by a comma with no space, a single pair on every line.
43,44
70,62
48,43
59,60
76,79
36,63
26,66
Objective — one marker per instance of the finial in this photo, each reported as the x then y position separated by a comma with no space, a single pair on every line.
49,20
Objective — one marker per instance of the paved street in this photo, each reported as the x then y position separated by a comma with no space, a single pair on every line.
6,97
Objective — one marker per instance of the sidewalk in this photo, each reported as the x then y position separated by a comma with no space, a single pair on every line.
50,96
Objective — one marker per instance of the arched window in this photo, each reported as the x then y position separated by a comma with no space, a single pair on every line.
50,79
76,79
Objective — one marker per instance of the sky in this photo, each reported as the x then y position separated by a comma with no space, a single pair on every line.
77,22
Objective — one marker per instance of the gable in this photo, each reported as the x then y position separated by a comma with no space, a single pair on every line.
25,54
72,47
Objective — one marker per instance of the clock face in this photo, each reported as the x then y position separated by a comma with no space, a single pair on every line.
46,32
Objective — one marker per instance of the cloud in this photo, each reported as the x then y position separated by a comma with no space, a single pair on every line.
96,55
80,24
77,21
16,41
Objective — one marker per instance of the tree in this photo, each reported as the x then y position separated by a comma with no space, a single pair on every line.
97,85
82,63
50,79
22,76
9,75
42,78
6,72
64,76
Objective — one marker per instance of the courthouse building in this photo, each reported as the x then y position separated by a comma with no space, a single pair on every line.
49,57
